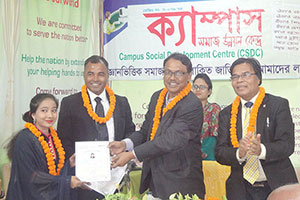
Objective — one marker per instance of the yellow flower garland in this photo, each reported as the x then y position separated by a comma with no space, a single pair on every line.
49,156
252,120
160,102
88,106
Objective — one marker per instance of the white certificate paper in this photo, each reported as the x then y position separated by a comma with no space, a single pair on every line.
93,166
109,187
92,161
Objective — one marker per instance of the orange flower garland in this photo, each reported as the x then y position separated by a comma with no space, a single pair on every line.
49,156
160,102
252,120
88,106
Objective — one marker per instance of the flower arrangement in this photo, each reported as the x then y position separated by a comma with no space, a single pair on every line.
179,196
253,116
124,193
50,160
119,196
160,102
88,106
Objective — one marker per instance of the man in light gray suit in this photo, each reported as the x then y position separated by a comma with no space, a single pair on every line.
169,140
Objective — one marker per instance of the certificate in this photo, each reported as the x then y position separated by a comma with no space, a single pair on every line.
109,187
92,161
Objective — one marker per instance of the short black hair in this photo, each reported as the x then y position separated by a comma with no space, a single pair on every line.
96,59
251,61
204,77
182,58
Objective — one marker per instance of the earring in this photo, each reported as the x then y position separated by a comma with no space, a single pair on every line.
34,121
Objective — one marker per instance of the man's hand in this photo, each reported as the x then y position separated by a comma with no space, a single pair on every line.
255,148
117,147
121,159
244,145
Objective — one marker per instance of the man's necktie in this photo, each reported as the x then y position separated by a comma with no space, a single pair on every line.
101,128
250,169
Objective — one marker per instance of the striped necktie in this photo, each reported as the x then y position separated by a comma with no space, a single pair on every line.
250,169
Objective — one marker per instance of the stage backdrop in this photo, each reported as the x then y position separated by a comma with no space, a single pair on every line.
138,36
43,46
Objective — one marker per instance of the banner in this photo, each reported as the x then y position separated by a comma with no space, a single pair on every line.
43,46
212,34
4,85
134,53
52,50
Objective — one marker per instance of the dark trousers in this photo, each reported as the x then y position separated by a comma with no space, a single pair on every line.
257,191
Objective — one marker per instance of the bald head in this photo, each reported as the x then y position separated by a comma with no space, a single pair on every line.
287,192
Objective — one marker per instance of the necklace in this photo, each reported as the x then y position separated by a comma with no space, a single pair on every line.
88,106
49,156
252,120
160,102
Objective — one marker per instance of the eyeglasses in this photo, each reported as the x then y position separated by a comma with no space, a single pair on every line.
200,87
244,75
177,74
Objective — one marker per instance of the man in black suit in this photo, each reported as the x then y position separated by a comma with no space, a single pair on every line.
169,140
256,136
77,124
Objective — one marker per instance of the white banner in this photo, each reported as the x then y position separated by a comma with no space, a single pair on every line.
52,49
210,33
43,45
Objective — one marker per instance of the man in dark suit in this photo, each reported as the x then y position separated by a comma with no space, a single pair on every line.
169,140
255,137
77,124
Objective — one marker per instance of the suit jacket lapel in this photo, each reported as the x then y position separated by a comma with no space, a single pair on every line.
239,123
262,116
168,115
116,118
260,121
89,118
163,120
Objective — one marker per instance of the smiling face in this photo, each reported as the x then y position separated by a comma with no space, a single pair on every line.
246,87
95,77
201,90
173,82
45,115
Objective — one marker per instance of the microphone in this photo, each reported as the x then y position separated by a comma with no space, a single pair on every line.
130,166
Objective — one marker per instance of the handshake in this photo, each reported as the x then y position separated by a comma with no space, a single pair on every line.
120,156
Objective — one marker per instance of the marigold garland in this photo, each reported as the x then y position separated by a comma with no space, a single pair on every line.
49,156
160,102
88,106
252,120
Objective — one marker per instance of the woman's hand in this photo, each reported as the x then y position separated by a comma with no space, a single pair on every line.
76,182
72,160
